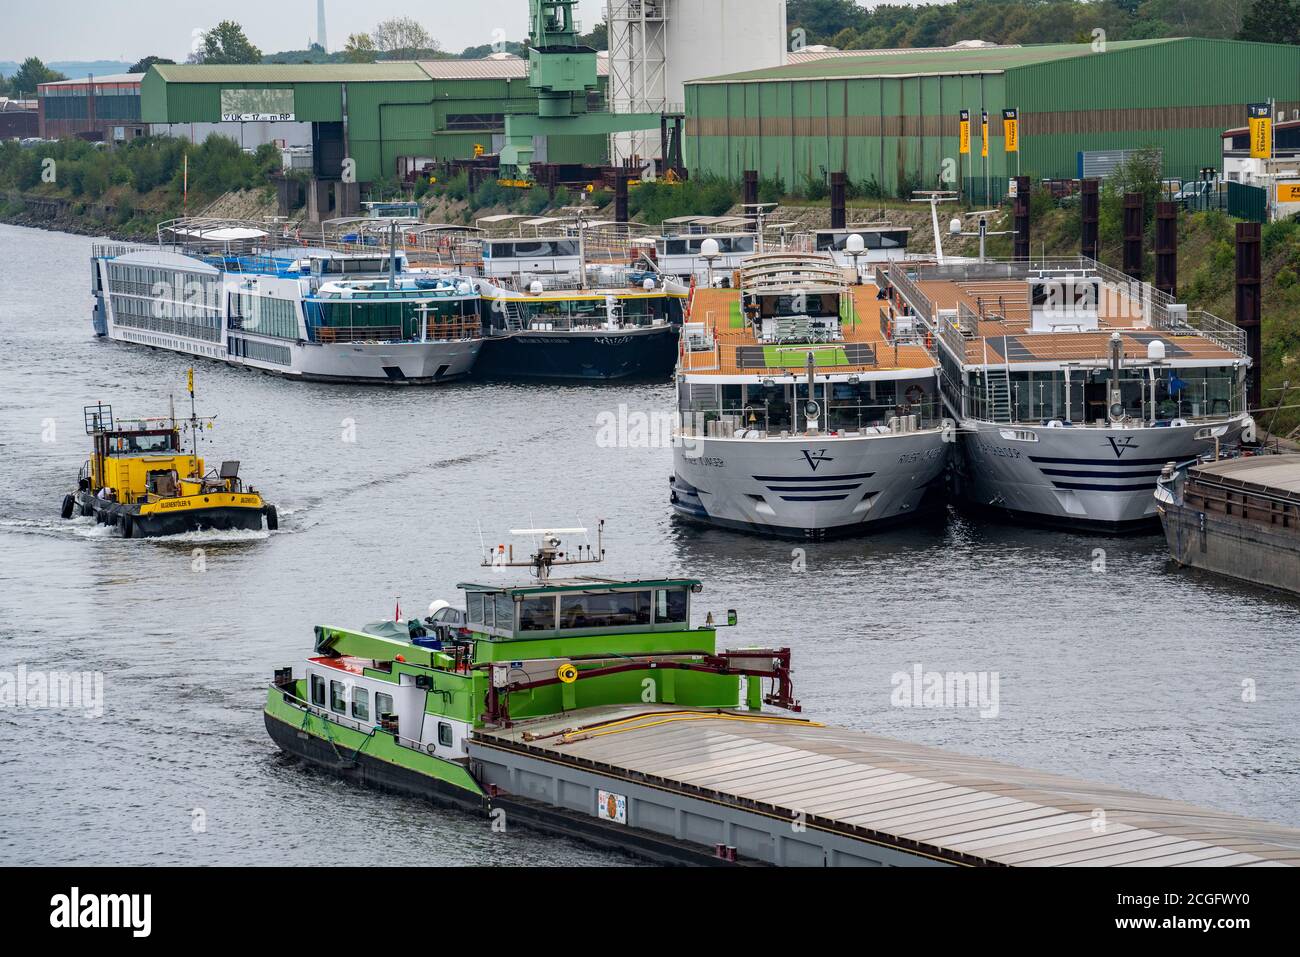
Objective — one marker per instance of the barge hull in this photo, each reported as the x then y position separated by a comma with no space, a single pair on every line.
363,769
794,793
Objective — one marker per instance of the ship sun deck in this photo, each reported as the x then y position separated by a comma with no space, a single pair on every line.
998,316
897,801
731,347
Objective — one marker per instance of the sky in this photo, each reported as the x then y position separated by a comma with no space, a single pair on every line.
127,30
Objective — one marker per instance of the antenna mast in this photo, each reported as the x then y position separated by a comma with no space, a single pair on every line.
548,554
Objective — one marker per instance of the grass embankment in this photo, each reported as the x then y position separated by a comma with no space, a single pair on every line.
125,191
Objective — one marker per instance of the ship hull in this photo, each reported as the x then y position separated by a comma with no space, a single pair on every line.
354,363
586,355
1230,546
810,488
368,771
128,518
1092,479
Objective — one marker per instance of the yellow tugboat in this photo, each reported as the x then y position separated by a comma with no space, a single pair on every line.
143,482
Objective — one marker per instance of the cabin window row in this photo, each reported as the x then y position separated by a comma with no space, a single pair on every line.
531,249
339,693
579,612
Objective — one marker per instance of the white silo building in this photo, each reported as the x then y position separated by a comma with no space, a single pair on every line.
656,46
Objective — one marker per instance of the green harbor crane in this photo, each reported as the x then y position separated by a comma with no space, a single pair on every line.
562,71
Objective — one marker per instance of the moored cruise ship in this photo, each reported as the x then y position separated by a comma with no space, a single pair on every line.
806,410
547,314
1074,385
226,291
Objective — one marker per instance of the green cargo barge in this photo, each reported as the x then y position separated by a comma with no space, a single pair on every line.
591,707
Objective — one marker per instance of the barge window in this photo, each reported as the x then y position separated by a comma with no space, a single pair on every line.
670,606
318,691
444,734
474,607
338,697
505,613
361,704
383,703
537,614
616,610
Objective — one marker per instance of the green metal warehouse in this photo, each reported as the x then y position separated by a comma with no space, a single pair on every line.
894,118
438,109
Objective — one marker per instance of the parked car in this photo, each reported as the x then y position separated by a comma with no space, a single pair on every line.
447,622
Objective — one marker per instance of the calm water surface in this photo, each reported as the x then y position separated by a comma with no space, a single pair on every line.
1131,676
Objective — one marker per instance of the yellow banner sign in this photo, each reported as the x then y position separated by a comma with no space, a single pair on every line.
1261,130
963,136
1288,192
1011,130
984,134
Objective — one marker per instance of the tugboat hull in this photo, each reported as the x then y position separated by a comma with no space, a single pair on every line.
592,355
180,519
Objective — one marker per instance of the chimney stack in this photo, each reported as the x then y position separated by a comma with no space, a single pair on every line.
839,201
1091,207
1250,306
1167,248
1020,208
1134,227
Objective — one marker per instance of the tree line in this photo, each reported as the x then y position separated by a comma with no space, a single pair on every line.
849,26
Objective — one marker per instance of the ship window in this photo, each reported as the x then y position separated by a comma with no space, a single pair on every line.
616,610
670,606
505,613
318,691
474,607
383,703
537,614
338,697
361,704
444,734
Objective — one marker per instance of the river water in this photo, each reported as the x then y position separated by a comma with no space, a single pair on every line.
1109,664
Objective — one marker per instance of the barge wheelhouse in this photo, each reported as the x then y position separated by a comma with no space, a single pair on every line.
805,411
1073,384
397,705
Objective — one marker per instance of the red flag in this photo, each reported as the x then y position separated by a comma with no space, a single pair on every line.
397,612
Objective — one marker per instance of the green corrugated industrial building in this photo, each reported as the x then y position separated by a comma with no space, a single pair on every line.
438,109
894,118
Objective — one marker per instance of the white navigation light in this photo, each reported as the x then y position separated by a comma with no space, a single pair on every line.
855,245
1156,350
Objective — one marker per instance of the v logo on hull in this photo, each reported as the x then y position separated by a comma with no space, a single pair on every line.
816,458
1127,445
